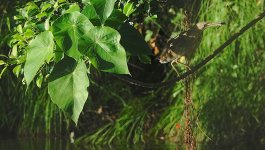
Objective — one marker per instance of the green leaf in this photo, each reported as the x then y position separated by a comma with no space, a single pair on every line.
29,33
17,70
90,12
133,41
85,1
148,35
58,54
67,31
19,29
2,62
41,15
2,72
128,9
101,9
101,45
116,19
40,50
41,27
47,24
39,80
67,86
45,7
30,9
72,8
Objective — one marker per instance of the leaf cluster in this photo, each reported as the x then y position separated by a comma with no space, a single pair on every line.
59,41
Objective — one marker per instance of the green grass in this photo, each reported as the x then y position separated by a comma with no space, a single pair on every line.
231,87
28,111
24,111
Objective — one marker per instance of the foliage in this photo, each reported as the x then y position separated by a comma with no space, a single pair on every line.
69,75
39,51
48,33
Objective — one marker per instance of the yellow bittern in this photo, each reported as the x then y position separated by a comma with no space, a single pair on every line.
185,44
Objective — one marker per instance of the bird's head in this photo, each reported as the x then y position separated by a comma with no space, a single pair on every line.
204,25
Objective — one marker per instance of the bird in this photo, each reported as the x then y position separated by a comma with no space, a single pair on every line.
185,44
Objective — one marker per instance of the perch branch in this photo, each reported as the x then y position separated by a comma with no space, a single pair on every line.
199,65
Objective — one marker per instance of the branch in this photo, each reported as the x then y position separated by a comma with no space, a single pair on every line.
199,65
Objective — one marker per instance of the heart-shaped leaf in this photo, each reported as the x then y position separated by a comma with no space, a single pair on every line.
67,86
99,9
40,50
101,45
68,29
90,12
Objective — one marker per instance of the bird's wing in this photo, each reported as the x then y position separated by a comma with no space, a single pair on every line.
180,43
184,44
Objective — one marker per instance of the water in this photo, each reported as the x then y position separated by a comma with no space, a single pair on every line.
59,144
35,144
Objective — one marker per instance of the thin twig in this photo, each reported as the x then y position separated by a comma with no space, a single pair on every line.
199,65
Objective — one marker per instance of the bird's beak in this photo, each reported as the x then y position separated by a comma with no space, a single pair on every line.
215,24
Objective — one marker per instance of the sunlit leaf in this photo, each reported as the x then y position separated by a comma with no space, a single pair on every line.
85,1
28,33
30,10
2,72
40,50
19,29
90,12
41,15
68,29
101,9
47,24
2,62
101,45
148,35
39,80
67,86
128,9
45,7
17,70
72,8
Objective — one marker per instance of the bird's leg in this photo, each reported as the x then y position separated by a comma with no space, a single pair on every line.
183,64
172,64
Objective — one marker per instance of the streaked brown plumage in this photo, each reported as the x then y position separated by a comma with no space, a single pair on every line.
185,44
